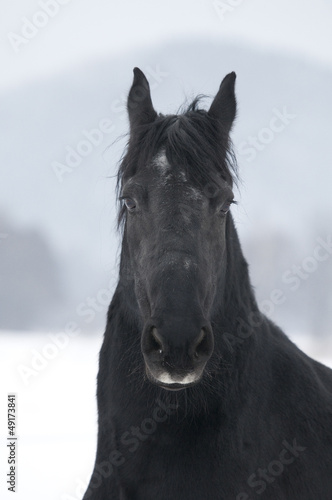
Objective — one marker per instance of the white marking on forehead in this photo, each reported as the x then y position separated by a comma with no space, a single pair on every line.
182,176
160,161
166,378
187,263
164,168
194,194
168,176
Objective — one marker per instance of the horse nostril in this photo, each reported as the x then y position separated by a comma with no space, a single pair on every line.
151,342
155,341
204,344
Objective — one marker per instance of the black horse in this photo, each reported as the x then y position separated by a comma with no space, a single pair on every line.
200,396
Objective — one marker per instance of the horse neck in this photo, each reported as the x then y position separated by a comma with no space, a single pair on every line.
237,296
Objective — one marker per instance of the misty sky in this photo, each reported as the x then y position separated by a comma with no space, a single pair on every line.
79,31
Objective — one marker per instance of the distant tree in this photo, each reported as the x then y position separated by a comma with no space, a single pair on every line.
31,290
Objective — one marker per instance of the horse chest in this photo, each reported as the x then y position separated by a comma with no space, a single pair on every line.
186,465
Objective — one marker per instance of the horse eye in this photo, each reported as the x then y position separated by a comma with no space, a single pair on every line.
130,204
226,207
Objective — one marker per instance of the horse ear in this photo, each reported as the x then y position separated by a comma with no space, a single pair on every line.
223,107
139,104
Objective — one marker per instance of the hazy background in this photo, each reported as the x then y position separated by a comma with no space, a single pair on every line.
62,92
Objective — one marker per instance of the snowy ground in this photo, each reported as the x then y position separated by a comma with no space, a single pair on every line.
54,379
56,414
